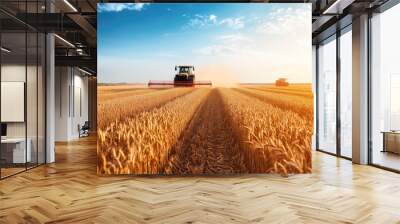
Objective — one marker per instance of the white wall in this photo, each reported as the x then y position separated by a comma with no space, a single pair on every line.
12,73
33,127
62,82
70,84
79,117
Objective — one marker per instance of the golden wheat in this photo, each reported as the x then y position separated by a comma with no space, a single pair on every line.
294,87
141,143
274,140
126,107
239,130
111,95
300,105
300,91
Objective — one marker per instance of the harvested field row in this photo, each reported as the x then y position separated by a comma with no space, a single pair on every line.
141,144
300,105
295,87
208,145
274,140
121,109
120,94
112,88
294,92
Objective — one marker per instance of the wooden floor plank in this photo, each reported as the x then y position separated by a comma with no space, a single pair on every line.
69,191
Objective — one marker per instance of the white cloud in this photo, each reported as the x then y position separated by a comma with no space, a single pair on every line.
216,50
197,22
272,45
234,39
234,23
232,45
201,21
117,7
212,18
286,21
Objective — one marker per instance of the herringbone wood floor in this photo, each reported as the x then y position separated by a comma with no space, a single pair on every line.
69,191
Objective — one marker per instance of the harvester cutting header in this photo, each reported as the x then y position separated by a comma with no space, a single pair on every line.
184,78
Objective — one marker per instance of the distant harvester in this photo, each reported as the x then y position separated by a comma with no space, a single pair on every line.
281,82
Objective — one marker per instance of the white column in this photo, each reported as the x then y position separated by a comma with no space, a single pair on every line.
50,99
63,102
360,90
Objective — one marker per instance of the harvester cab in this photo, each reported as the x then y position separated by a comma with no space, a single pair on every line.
185,74
184,77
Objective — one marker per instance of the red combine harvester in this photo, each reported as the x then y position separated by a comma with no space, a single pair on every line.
281,82
184,78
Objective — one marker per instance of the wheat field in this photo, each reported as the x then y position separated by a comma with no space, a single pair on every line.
191,131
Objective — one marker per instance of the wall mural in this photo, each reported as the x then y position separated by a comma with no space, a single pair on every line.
216,88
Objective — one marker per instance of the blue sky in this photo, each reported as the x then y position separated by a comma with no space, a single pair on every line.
225,42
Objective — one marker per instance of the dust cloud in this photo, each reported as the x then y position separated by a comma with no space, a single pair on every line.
219,75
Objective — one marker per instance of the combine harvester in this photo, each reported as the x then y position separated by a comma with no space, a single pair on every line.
184,78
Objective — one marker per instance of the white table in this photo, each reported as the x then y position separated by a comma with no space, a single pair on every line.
19,155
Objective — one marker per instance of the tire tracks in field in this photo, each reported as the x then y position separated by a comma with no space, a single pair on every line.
208,146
